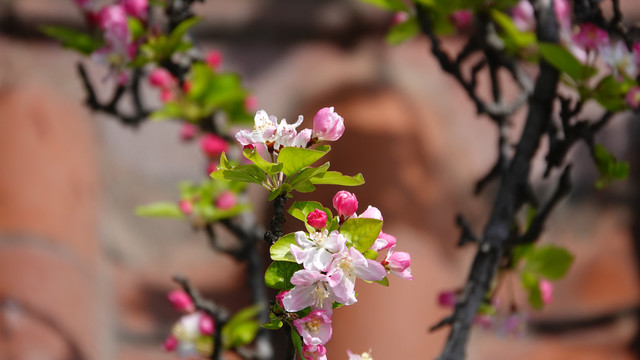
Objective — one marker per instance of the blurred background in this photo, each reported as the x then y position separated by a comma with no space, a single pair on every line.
81,277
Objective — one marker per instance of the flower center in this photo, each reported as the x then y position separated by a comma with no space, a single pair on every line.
318,294
262,122
319,238
346,266
313,326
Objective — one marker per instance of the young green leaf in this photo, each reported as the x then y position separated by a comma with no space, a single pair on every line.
281,249
563,60
361,232
336,178
549,261
297,342
268,167
244,173
383,282
535,298
160,209
391,5
295,159
80,41
278,274
403,31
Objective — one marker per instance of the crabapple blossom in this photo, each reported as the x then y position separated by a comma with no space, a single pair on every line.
312,288
226,200
170,344
523,16
363,356
188,131
351,264
345,203
484,321
447,299
136,8
191,341
546,290
515,324
315,251
267,131
314,352
280,296
317,219
327,125
563,13
591,37
398,262
461,19
620,59
315,328
384,241
372,212
213,59
161,78
633,97
181,301
206,324
186,206
213,145
399,17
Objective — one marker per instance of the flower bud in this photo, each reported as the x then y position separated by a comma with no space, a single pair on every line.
206,324
186,206
317,219
170,343
447,299
461,19
524,16
213,145
327,125
167,95
546,290
345,203
188,131
280,296
161,78
591,37
136,8
372,213
314,352
213,166
226,200
181,301
213,59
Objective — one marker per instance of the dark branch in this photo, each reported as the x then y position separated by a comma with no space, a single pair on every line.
275,226
467,235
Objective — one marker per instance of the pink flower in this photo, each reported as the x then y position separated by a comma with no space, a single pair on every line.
226,200
461,19
213,145
484,321
345,203
327,125
315,328
636,50
188,131
363,356
384,241
213,166
181,301
161,78
372,212
315,251
591,37
523,16
213,59
267,131
170,343
620,59
516,324
312,288
136,8
398,262
167,95
546,289
317,219
206,324
113,18
251,103
633,97
447,299
188,335
399,17
280,296
186,206
314,352
351,264
563,13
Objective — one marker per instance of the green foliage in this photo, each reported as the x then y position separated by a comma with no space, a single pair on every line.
361,232
336,178
79,41
565,62
610,92
609,167
160,209
541,262
161,47
301,181
268,167
487,309
403,31
370,254
297,342
383,282
274,323
281,249
294,159
513,38
241,328
278,274
391,5
249,173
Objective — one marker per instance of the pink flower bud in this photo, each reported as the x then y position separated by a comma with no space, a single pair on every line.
563,13
384,241
136,8
188,131
399,17
185,206
186,86
633,97
170,343
213,166
523,16
314,352
327,125
226,200
636,51
161,78
213,145
372,213
181,301
206,324
280,296
317,219
345,203
591,37
213,59
447,299
167,95
461,19
484,321
546,289
251,103
113,19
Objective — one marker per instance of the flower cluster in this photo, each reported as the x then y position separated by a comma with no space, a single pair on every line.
327,126
331,262
119,43
192,333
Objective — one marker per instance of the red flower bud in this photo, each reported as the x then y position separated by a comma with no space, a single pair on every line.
317,218
345,203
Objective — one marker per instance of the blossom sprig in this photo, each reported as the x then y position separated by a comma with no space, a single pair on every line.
317,269
290,155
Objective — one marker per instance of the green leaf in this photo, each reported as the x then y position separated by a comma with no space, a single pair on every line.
487,309
174,41
535,298
336,178
170,110
295,159
278,274
520,252
391,5
281,249
549,261
370,254
274,323
361,232
160,209
244,173
609,167
564,61
403,31
297,342
520,39
383,282
237,334
529,280
300,182
72,39
268,167
136,27
610,92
